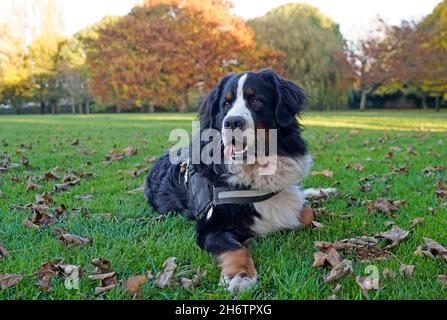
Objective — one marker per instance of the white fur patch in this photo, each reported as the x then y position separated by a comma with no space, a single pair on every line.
239,107
279,212
283,210
238,283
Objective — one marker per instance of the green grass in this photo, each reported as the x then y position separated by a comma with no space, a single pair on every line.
136,242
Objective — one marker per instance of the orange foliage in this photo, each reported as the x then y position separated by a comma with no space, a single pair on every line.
165,48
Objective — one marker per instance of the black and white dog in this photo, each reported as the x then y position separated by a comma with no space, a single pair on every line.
240,102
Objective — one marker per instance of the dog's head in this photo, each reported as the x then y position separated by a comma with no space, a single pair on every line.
249,101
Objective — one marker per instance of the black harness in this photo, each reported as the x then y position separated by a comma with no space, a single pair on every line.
205,195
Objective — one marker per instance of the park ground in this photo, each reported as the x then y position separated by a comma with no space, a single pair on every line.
127,232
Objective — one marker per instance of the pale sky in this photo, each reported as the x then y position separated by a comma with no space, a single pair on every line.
354,16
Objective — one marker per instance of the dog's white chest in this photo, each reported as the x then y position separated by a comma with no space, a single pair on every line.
279,212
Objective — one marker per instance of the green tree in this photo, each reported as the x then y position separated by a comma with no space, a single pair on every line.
315,51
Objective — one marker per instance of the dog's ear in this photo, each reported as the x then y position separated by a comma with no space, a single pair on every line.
210,106
290,98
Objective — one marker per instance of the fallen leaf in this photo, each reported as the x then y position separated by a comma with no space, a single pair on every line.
75,142
50,175
45,283
44,199
137,190
130,151
24,161
357,166
32,186
342,269
396,235
430,170
133,285
406,269
66,185
71,239
166,277
317,225
443,278
331,257
85,197
367,284
150,159
3,252
367,187
417,221
9,280
383,205
325,173
441,194
102,265
104,274
390,274
50,268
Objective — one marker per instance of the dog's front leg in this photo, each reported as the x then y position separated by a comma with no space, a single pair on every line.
238,270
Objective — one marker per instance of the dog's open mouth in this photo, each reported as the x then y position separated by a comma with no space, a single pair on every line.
237,149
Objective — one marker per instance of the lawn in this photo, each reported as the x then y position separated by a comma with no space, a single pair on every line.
126,231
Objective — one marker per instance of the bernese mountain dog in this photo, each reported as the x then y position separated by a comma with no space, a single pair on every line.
276,201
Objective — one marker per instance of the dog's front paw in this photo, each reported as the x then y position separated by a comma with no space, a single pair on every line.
238,283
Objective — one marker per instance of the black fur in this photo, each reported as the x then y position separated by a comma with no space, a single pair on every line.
229,225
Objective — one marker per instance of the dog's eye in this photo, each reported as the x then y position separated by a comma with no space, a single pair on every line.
256,102
227,104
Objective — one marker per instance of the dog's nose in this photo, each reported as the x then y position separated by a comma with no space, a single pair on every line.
234,122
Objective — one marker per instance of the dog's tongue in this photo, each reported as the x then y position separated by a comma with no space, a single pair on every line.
228,151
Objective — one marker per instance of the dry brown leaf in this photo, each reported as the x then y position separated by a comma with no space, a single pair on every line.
396,235
317,225
3,252
85,197
357,166
388,273
66,185
319,259
104,274
441,194
166,277
45,283
150,159
44,199
24,161
130,151
342,269
74,240
102,265
406,269
367,284
9,280
133,285
50,268
384,205
32,186
443,278
325,173
367,187
417,221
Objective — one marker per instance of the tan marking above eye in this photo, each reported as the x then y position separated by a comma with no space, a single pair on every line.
249,92
229,96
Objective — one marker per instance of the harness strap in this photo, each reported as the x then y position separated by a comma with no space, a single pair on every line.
226,195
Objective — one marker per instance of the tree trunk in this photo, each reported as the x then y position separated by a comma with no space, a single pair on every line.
184,103
73,105
53,108
424,102
437,104
42,107
87,107
151,108
80,108
118,109
363,100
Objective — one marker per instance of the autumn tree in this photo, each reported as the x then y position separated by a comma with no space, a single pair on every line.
166,49
15,75
315,51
